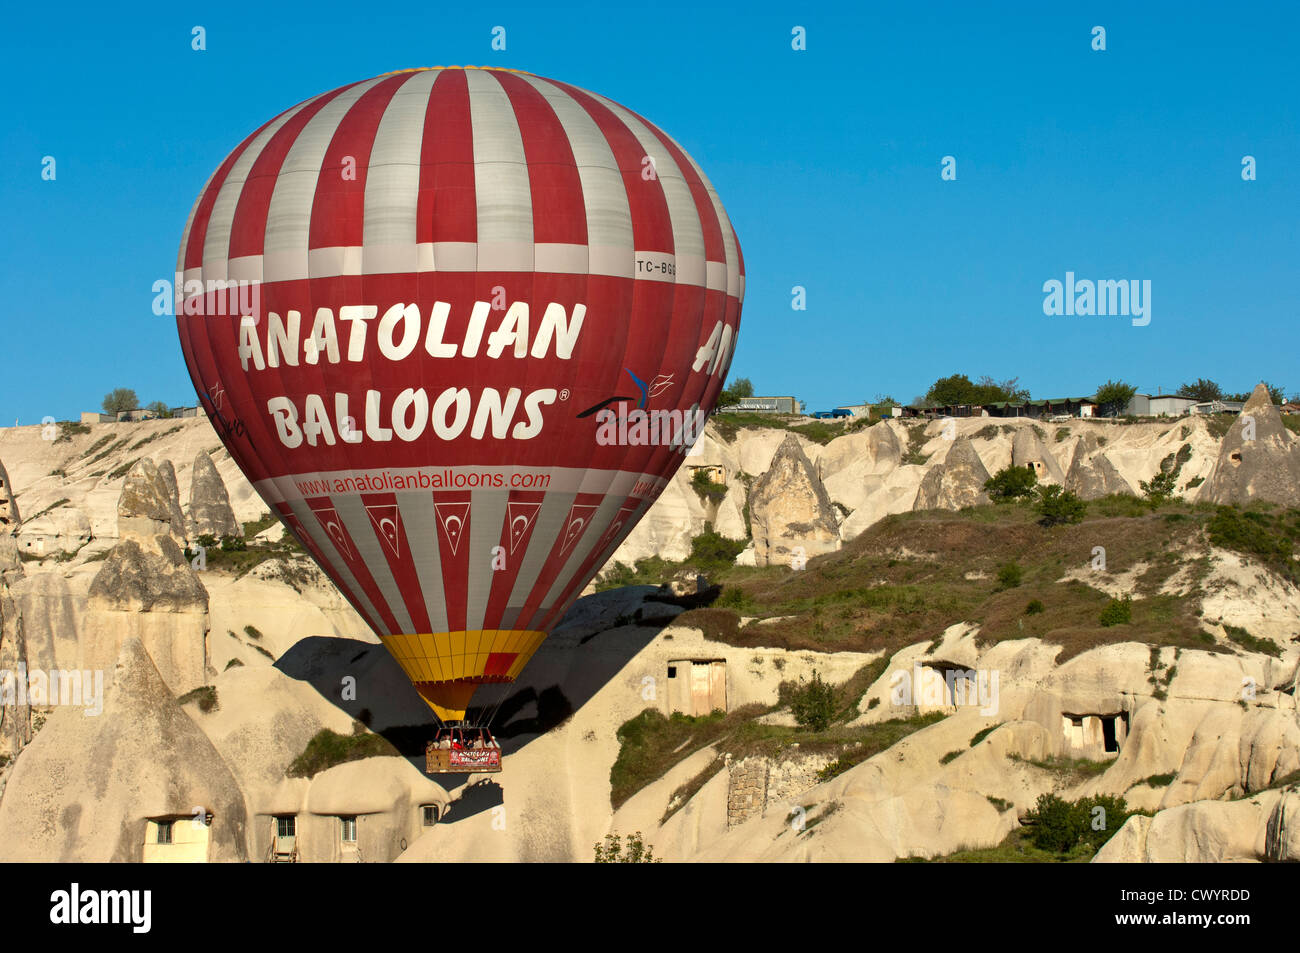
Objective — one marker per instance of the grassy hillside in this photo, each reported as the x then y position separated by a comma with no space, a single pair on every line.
912,575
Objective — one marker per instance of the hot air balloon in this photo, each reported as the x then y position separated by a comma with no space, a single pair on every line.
459,327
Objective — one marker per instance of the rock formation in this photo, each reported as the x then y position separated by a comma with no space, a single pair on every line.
147,589
15,715
1028,450
51,607
1250,830
956,483
854,466
144,508
15,718
86,788
790,510
210,511
1092,475
64,529
1259,458
10,519
168,474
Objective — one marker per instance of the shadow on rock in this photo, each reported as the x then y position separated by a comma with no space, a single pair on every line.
478,797
594,641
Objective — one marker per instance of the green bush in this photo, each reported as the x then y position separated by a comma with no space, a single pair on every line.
205,696
1057,825
1063,826
706,489
1011,483
1158,780
69,429
712,552
1009,576
1117,612
638,852
328,748
1059,506
1254,532
983,733
1034,608
233,544
813,704
1252,643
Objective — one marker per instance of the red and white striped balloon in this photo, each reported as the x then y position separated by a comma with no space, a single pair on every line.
411,307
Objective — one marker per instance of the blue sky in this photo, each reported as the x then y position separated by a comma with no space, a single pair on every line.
1122,164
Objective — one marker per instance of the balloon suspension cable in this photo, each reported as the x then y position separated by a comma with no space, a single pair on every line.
488,713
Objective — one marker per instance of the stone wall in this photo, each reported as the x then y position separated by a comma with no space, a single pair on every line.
746,789
756,782
790,777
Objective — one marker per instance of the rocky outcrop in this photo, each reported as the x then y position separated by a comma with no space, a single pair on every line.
147,589
51,607
85,789
1028,450
140,578
210,512
790,512
1255,829
10,519
144,508
15,715
15,711
854,466
1259,458
956,483
1091,474
168,474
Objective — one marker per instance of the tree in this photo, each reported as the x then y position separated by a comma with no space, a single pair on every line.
740,387
1160,488
1275,392
123,398
994,390
1203,389
159,408
813,704
958,389
1011,483
1113,397
1059,506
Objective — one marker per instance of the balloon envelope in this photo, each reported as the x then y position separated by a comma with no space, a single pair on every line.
459,327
